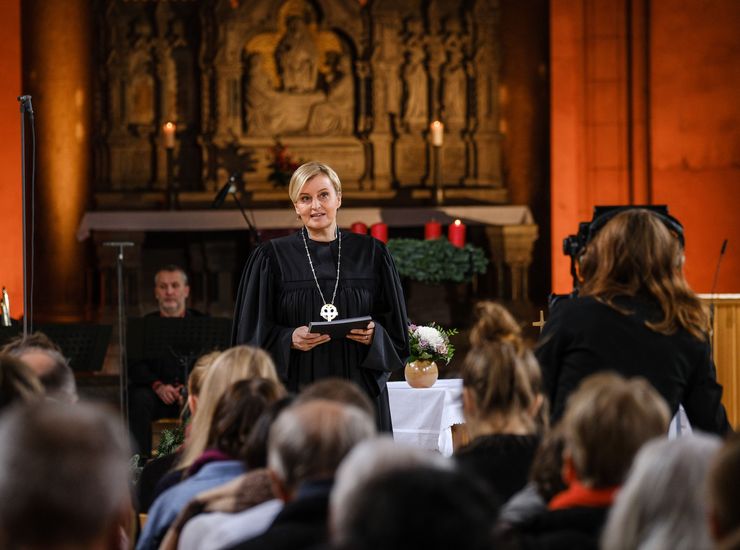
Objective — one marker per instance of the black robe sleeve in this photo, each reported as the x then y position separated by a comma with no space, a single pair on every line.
254,322
390,347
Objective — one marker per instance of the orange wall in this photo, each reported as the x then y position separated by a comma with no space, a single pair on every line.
693,122
695,106
11,247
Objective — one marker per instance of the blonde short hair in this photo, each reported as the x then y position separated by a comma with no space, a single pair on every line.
307,171
237,363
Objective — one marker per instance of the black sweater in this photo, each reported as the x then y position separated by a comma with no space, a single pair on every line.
584,336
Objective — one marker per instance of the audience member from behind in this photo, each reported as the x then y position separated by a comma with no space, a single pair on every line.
237,363
662,504
421,508
502,401
370,459
307,443
156,469
339,391
635,315
18,383
221,508
157,383
606,422
545,481
213,531
46,360
234,416
64,478
724,495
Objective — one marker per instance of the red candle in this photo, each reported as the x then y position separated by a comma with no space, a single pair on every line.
379,231
359,227
456,234
432,230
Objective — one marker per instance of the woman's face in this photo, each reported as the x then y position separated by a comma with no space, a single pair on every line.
317,203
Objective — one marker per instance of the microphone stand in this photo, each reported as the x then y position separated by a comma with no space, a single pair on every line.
230,189
123,370
254,234
711,302
27,107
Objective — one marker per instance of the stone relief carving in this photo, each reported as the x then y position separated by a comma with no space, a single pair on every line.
299,79
454,79
141,87
354,83
415,78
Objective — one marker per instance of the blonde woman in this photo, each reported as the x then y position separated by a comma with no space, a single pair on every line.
324,273
237,363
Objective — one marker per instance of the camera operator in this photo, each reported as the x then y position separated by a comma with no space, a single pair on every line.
634,314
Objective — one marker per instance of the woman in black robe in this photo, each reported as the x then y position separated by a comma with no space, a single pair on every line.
287,282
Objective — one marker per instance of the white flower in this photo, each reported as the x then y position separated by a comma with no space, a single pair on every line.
430,337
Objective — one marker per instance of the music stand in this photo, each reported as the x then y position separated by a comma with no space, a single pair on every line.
161,338
83,345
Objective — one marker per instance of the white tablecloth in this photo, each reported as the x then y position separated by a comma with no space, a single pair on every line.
424,417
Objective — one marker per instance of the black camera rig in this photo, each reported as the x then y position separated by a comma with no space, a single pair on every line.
574,245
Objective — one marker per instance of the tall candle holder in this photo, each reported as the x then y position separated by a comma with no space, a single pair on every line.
437,130
169,143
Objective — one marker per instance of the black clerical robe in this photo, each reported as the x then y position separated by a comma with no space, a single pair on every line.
278,293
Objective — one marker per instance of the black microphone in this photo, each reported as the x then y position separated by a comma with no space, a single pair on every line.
25,101
711,298
229,187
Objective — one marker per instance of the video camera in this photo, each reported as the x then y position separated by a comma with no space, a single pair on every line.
574,245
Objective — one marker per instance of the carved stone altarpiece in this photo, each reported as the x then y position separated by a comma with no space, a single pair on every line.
352,83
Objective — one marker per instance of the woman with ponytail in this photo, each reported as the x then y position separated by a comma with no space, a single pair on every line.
504,407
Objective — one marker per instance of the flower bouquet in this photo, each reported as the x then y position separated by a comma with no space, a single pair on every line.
428,345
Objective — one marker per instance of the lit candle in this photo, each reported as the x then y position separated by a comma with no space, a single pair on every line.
359,227
432,230
438,133
169,135
379,231
456,234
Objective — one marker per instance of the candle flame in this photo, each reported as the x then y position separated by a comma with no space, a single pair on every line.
457,222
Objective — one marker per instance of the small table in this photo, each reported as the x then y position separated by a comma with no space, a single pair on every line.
423,417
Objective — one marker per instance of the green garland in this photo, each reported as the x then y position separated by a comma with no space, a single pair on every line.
436,260
170,440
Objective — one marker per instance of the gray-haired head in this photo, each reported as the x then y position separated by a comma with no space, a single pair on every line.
368,460
662,504
53,370
308,441
64,475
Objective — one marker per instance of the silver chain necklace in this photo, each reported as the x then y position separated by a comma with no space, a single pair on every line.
328,311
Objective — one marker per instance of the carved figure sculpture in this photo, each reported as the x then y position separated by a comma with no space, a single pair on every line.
141,87
260,98
414,76
297,57
334,115
454,84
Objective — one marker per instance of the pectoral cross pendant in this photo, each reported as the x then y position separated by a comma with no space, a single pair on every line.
329,312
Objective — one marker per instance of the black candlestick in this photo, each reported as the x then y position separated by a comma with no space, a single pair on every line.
172,198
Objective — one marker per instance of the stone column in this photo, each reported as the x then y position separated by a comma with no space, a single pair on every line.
57,50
